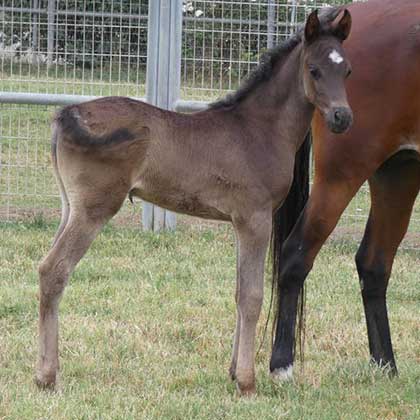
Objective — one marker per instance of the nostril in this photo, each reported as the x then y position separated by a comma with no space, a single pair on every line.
337,116
339,119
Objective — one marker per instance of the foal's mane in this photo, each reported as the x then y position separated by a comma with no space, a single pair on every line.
269,59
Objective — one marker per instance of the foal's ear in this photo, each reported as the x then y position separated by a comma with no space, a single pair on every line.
313,27
342,28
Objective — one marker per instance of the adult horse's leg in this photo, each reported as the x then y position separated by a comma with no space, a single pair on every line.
84,224
322,212
394,189
253,236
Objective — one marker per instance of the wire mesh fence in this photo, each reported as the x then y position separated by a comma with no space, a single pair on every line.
70,47
27,186
73,47
99,48
224,39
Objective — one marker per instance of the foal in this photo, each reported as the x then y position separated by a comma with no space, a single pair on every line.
233,162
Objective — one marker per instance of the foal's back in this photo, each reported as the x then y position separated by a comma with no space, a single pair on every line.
202,164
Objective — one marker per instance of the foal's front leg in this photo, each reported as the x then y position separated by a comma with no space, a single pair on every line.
253,236
232,369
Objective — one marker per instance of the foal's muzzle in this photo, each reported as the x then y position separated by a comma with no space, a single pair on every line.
339,119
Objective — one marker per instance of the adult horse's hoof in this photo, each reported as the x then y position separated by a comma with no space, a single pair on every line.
388,368
46,382
392,372
282,374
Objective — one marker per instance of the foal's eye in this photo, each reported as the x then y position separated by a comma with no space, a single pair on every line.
315,73
348,72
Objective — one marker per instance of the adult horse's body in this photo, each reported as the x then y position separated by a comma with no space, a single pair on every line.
233,162
383,146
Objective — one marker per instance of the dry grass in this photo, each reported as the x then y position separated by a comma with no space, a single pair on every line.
146,327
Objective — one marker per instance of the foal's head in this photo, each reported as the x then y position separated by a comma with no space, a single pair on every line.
325,69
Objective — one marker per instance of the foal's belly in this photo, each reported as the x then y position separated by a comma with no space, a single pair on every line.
180,202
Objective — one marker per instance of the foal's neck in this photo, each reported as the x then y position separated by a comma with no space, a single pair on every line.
281,101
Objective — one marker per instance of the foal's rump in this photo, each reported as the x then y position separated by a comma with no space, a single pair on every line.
103,123
96,147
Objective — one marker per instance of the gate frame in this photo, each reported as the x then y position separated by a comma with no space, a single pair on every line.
163,82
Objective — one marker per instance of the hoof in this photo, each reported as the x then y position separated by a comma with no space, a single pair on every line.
282,374
46,382
388,368
392,372
245,382
246,390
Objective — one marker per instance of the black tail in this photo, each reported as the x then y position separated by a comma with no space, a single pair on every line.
68,119
285,219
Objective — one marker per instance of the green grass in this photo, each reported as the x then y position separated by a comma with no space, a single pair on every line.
146,328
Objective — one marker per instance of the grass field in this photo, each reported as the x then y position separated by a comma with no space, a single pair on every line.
146,328
147,320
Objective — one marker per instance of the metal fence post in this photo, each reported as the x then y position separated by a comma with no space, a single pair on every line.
271,24
51,31
293,19
35,23
163,81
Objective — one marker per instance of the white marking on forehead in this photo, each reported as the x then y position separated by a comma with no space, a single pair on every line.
335,57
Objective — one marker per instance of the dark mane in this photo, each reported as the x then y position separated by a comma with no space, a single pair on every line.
268,61
260,74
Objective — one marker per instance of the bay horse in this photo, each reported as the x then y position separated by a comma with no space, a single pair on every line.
383,147
233,162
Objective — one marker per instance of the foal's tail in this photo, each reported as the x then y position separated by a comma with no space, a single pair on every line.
63,195
284,220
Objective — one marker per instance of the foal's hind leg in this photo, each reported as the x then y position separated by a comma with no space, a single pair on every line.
253,236
54,271
394,188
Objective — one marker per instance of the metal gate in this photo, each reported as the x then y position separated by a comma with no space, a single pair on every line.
56,52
